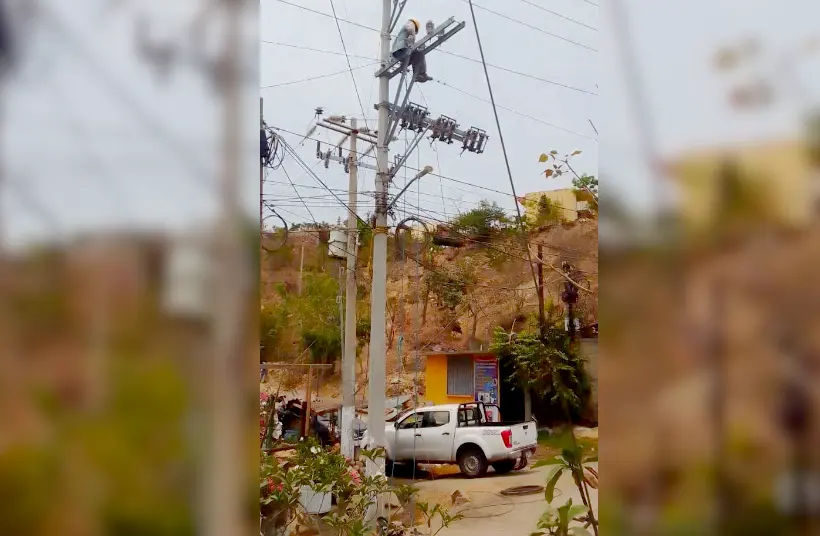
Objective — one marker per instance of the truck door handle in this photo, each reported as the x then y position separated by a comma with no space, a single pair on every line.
445,433
418,435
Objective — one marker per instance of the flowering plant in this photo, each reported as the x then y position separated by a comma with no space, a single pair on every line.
322,470
278,489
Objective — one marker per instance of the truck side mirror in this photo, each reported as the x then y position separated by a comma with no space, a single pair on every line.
396,425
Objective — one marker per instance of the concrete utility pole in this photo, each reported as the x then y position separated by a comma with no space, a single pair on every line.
378,302
223,506
393,115
349,357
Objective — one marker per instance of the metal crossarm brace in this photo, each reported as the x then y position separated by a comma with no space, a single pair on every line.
429,42
342,160
397,10
369,138
407,153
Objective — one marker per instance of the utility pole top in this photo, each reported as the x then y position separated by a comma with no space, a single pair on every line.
428,43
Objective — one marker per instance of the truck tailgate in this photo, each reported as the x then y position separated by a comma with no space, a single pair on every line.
524,435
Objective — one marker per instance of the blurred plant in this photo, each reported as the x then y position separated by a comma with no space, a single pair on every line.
555,521
574,458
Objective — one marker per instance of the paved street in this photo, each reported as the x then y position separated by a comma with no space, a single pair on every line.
488,512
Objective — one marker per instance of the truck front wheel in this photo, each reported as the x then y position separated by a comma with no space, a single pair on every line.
504,467
472,463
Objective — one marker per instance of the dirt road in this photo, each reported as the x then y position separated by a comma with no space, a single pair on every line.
486,511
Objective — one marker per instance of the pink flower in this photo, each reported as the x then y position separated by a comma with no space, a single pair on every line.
354,475
274,486
263,396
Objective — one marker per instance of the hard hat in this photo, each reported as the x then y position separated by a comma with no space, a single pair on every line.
416,23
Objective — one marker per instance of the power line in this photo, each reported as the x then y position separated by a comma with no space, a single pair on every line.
304,166
328,15
536,28
333,52
501,137
455,55
546,123
317,77
347,57
526,75
438,162
570,19
433,174
298,194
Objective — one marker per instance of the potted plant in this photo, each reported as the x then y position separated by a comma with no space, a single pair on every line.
319,473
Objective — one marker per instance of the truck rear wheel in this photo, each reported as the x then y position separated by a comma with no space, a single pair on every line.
505,466
472,463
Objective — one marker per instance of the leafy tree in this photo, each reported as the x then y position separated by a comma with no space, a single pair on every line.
447,289
310,321
483,221
548,212
550,365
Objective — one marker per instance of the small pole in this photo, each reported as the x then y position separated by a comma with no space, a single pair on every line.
306,405
301,267
542,318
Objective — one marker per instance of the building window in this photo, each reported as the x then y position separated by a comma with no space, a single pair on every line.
460,376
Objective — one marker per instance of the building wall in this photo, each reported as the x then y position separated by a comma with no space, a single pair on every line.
436,382
780,170
565,197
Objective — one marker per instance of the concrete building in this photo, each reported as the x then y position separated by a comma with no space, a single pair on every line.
573,204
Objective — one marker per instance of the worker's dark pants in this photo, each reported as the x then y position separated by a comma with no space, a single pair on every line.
416,61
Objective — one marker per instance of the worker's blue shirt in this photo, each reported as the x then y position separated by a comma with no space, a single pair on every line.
404,40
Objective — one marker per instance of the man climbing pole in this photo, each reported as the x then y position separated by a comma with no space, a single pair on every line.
402,49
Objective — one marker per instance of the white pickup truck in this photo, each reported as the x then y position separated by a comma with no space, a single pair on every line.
462,434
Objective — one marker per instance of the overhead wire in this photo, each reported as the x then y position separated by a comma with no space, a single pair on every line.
319,77
347,57
328,15
570,19
438,161
536,28
433,174
333,52
284,169
519,73
546,123
454,54
304,166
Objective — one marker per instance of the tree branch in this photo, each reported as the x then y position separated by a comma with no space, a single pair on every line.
565,276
